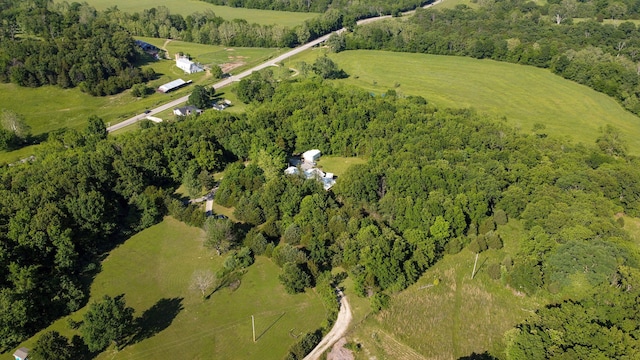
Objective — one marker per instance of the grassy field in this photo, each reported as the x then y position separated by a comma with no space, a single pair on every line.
154,269
525,95
186,7
337,164
50,108
455,318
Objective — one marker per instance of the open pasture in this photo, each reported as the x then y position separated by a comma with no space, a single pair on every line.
446,314
154,270
187,7
525,95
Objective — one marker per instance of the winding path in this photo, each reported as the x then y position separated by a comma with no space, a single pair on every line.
337,331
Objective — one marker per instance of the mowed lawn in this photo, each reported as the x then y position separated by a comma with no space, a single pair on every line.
524,94
453,319
187,7
155,268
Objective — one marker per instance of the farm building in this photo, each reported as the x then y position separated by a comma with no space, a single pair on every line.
175,84
187,65
187,110
311,156
327,179
21,354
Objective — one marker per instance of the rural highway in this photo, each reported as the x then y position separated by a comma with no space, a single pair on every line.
337,331
234,78
223,83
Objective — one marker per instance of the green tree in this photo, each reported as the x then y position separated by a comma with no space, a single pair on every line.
51,346
201,96
294,278
327,69
107,321
220,234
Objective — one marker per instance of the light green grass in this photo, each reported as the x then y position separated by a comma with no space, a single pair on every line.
337,164
525,95
450,4
187,7
453,319
158,263
49,108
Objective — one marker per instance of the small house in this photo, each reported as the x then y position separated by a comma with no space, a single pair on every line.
21,354
187,110
187,65
292,170
311,156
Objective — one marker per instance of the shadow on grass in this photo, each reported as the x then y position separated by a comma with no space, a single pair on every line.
270,326
156,318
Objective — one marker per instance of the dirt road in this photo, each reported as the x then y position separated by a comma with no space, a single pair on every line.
338,330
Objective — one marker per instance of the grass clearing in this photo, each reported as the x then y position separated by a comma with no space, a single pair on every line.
338,165
155,267
187,7
452,319
524,94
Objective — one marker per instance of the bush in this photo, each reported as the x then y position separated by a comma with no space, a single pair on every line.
494,271
493,240
487,225
300,349
379,302
500,217
453,246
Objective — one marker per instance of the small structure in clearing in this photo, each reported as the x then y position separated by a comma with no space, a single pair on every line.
311,156
306,167
175,84
187,65
21,354
187,110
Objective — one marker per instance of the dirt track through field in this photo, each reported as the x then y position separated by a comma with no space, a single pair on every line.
338,330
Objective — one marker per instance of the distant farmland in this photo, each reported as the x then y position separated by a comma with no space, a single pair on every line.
186,7
524,94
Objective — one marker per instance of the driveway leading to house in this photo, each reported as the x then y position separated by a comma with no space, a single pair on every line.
337,331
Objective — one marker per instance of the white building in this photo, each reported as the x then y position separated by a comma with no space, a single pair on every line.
311,156
187,65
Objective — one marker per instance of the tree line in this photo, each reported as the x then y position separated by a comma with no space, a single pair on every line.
436,180
70,47
604,57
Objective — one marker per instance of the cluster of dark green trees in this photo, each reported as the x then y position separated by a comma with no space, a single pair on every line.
81,195
602,56
68,47
436,180
207,28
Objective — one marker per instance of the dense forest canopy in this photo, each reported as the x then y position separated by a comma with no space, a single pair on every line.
74,46
436,180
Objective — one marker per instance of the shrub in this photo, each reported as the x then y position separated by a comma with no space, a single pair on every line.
493,240
494,271
500,217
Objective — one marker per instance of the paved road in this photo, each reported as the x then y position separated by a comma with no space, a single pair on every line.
222,83
246,73
337,331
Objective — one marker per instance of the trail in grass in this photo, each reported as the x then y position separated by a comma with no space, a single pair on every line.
338,330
